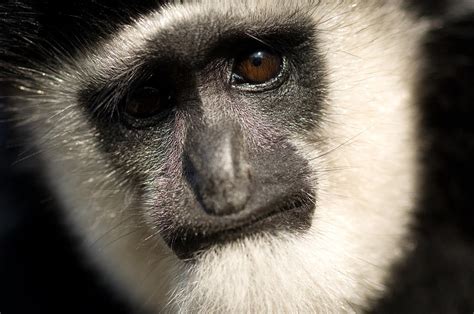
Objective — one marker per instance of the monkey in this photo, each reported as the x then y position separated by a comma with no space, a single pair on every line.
236,156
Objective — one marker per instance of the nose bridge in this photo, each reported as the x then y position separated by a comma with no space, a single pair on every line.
217,167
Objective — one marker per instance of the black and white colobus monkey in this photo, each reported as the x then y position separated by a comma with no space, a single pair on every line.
239,156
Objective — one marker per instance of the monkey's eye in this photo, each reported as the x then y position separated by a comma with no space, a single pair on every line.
258,67
146,104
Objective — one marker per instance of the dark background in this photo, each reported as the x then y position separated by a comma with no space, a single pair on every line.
40,271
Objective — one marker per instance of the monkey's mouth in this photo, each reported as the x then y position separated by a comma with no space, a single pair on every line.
291,214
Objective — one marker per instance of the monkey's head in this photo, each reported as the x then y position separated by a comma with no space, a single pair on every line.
237,156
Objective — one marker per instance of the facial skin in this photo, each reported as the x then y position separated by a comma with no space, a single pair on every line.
199,185
217,156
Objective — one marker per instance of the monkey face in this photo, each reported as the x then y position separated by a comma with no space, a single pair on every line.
207,131
238,157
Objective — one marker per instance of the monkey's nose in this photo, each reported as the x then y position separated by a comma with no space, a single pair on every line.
217,169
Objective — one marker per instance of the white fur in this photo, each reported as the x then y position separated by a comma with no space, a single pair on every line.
365,168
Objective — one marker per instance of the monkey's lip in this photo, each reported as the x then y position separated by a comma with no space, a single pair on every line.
292,215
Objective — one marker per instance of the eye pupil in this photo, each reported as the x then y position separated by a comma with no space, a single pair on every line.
257,58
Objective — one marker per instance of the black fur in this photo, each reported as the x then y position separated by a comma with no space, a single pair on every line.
438,277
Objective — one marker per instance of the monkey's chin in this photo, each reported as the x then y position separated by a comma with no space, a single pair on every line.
294,217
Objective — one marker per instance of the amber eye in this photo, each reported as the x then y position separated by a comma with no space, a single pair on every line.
146,102
258,67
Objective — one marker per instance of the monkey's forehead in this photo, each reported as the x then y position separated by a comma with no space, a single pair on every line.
200,22
189,29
